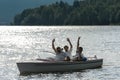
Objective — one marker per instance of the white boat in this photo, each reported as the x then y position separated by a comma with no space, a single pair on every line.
39,66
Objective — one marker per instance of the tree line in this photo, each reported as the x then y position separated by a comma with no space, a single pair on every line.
82,12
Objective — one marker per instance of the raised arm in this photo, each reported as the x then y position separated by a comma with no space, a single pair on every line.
78,42
70,43
53,45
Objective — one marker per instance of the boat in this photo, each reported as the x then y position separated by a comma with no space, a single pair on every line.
45,66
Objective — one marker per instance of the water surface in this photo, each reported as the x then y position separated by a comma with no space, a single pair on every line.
19,43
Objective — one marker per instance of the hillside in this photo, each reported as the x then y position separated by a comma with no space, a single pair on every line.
84,12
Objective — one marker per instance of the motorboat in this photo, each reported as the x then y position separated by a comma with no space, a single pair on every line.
49,66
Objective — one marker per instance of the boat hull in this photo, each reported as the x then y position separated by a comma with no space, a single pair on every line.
63,66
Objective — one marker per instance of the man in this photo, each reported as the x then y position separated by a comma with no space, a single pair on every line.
60,55
79,56
67,50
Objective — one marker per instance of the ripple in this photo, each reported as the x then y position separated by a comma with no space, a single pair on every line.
25,43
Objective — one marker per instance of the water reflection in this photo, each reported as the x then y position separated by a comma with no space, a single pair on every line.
25,43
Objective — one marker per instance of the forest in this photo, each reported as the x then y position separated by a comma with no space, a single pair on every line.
81,12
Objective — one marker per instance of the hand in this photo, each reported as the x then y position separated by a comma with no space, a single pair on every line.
79,38
68,39
53,40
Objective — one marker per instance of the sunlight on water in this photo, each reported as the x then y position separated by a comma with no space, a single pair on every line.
19,43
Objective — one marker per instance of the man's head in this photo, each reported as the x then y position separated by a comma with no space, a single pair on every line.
80,49
66,48
59,49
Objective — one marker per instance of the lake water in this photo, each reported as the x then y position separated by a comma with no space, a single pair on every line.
25,43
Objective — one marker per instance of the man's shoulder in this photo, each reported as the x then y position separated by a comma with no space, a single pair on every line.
70,50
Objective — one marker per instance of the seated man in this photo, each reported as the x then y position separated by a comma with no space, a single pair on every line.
79,56
68,51
60,55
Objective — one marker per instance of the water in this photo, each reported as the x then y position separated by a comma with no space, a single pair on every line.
24,43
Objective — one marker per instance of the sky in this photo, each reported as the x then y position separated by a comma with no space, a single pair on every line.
9,8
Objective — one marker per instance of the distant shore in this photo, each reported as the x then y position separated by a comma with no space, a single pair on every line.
85,12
